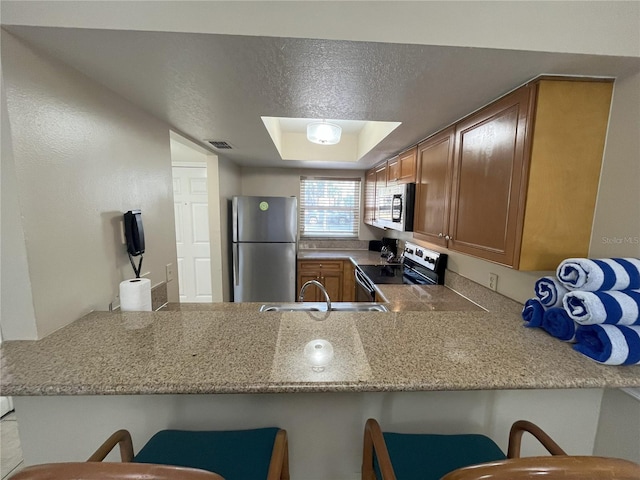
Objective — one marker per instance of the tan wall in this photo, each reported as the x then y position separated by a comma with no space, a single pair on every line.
82,157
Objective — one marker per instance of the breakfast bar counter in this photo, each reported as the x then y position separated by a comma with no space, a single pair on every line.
237,349
441,364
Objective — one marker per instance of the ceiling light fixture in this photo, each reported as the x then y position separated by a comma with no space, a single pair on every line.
323,133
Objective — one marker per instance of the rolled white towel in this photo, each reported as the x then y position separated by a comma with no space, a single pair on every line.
599,274
550,292
613,307
609,344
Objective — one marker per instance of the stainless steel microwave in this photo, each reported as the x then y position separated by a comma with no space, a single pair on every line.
394,207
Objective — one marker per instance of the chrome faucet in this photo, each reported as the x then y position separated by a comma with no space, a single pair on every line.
321,287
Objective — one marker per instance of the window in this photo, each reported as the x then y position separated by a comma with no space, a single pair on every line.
329,207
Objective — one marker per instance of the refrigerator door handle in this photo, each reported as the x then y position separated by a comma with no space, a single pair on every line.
236,265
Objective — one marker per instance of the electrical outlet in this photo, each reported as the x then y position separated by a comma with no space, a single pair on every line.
170,272
493,282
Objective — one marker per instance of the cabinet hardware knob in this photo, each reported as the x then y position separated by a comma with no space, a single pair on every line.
440,235
447,237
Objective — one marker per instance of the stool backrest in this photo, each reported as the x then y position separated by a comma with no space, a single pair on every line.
564,467
111,471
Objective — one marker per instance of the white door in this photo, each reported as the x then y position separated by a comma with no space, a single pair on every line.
191,205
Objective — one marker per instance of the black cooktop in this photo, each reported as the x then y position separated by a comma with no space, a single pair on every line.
383,274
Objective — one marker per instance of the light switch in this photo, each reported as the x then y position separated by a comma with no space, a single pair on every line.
170,272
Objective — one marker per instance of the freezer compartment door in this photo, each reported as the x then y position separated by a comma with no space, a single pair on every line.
264,272
265,219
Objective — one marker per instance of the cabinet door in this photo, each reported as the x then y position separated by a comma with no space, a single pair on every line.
393,170
433,187
370,196
407,166
348,282
332,281
489,180
312,293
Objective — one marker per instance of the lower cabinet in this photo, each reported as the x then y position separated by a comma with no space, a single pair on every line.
335,275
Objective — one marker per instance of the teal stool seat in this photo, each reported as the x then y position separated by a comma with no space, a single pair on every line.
257,454
429,457
236,455
426,456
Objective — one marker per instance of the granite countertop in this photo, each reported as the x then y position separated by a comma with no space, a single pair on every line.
358,257
459,337
234,349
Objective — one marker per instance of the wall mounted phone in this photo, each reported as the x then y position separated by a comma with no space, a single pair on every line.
134,233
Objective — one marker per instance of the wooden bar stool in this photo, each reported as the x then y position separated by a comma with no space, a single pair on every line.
391,456
235,455
111,471
557,467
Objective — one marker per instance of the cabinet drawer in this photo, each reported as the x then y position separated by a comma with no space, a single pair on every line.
330,265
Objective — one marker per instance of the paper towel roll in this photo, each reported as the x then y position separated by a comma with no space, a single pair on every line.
135,295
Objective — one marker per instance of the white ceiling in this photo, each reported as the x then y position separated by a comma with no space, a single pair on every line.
215,86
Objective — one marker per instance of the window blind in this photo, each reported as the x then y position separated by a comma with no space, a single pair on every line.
329,207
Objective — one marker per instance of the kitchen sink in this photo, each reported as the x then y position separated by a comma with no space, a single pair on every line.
322,307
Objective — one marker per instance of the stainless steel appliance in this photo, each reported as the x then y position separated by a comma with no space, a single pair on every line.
394,207
419,266
264,248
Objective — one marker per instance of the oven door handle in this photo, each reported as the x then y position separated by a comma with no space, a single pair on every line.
363,281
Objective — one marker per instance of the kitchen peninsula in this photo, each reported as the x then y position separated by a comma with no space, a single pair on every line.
229,366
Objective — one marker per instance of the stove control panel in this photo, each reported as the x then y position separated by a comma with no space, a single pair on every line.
421,255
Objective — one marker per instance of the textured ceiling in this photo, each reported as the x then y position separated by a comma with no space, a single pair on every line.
210,86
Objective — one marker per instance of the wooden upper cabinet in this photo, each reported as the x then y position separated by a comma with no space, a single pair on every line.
567,146
433,187
524,176
393,170
369,196
489,179
407,165
381,175
402,168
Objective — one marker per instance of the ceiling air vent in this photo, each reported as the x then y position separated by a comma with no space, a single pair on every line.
220,144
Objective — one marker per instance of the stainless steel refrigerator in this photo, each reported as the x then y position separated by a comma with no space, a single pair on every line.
264,245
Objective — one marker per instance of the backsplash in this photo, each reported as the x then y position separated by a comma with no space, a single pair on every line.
159,296
490,300
333,245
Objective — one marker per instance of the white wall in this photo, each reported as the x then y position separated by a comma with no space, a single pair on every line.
184,151
286,182
324,429
229,177
619,425
17,317
600,27
81,156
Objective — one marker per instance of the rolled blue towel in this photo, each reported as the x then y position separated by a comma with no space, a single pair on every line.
613,307
599,274
533,312
557,322
609,344
550,291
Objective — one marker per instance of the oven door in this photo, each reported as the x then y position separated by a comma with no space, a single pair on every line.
364,289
